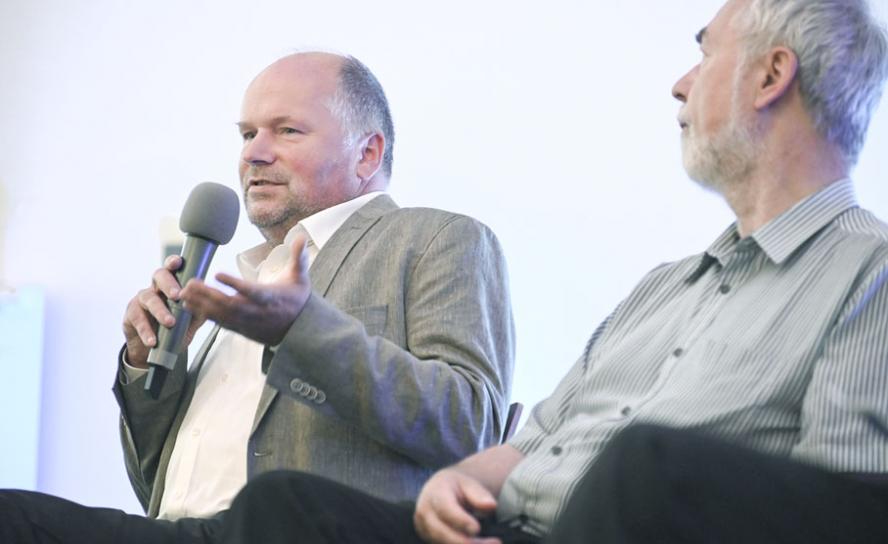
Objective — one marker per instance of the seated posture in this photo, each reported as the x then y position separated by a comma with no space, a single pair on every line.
670,486
775,337
395,362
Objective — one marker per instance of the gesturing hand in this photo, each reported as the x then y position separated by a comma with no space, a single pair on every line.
261,312
447,506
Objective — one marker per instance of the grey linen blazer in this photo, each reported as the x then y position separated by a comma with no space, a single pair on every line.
399,364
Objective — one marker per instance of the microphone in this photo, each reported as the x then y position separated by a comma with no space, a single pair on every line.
208,221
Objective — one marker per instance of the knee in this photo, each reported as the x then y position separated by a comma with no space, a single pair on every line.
639,447
647,460
667,458
275,485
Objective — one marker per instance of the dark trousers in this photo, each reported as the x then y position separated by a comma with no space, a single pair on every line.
27,517
288,507
650,485
667,486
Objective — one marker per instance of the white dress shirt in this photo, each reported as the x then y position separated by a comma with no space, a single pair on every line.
208,463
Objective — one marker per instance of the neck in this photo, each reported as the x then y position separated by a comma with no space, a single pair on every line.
783,176
275,235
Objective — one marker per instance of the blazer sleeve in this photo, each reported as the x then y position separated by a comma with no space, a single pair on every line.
145,424
443,395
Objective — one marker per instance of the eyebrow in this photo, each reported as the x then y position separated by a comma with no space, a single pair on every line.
276,121
700,35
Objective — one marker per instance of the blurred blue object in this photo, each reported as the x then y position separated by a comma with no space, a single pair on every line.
21,366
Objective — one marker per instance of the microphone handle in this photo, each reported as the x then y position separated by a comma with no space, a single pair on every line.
196,256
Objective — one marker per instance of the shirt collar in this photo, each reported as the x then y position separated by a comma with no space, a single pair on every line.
781,236
322,225
320,228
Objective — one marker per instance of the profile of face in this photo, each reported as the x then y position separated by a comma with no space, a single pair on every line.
718,136
296,158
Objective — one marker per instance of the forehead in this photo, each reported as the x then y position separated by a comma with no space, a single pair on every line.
293,84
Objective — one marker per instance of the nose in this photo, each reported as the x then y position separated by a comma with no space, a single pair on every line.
259,149
682,87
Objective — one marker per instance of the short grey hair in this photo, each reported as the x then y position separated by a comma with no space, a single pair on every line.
843,60
361,106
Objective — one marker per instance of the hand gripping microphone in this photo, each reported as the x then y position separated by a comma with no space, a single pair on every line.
208,221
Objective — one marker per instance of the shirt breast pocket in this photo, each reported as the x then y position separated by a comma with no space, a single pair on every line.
749,375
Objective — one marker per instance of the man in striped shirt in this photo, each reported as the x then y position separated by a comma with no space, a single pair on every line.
775,337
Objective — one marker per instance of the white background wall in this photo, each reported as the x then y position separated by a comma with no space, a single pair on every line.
551,122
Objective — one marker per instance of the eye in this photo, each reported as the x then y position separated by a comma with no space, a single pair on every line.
290,130
248,135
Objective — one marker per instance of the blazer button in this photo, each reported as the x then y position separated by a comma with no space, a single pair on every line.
321,397
312,393
296,385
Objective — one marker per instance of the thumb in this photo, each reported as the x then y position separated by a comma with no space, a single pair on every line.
477,497
297,264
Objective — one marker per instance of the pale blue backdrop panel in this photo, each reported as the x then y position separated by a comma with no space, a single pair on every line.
21,350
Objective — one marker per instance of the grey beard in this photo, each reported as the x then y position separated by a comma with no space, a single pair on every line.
723,161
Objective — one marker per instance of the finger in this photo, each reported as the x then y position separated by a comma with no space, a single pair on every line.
172,262
455,516
477,497
165,282
200,299
298,261
156,307
433,529
137,324
261,294
446,505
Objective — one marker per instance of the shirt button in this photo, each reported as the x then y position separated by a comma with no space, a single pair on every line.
724,289
195,433
626,410
678,352
556,450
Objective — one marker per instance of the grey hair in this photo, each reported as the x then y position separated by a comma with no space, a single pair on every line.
361,106
843,60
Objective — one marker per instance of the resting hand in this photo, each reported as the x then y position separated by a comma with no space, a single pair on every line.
261,312
148,308
447,508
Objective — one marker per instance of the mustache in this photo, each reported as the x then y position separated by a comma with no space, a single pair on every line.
266,173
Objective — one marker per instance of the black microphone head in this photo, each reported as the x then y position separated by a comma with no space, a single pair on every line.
210,212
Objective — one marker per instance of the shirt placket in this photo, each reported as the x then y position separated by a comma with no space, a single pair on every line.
717,284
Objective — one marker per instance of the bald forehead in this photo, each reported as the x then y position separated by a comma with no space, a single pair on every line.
298,87
321,69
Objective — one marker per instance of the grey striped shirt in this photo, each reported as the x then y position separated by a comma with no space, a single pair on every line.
778,341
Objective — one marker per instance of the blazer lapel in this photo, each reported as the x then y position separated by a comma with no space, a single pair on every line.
331,257
324,268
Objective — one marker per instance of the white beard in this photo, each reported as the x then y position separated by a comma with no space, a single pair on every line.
728,157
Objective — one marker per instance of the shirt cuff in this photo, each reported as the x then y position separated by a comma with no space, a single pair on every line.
130,373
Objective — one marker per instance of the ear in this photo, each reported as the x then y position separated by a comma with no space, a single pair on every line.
780,68
372,149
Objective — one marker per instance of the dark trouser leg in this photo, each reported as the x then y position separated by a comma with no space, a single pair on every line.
668,486
292,507
27,517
